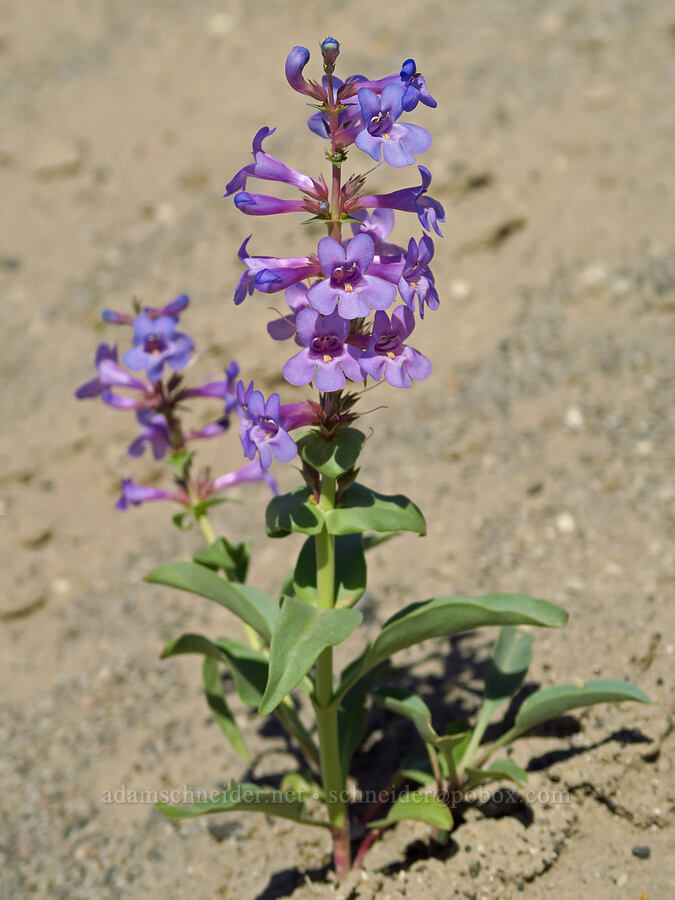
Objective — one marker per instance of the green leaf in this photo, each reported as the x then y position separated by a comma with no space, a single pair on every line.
361,509
255,607
295,783
444,616
403,703
352,718
243,798
350,571
509,661
420,807
192,643
556,701
301,633
293,512
332,457
233,559
499,770
215,698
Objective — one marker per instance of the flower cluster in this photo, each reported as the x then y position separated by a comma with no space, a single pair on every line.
160,353
340,294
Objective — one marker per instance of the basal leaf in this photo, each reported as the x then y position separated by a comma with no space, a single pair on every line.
296,511
243,798
361,510
301,633
403,703
255,607
350,571
556,701
499,770
420,807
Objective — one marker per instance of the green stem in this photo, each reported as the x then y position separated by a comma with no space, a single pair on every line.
476,737
325,707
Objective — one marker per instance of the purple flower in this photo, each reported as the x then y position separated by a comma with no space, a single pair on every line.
378,225
382,135
156,342
283,328
172,309
223,390
326,359
262,205
261,430
269,168
154,431
414,199
248,474
134,494
417,278
388,356
97,386
415,87
346,284
270,273
296,61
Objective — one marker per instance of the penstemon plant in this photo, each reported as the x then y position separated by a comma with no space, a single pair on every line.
348,329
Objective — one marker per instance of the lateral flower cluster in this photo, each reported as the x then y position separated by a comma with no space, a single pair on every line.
340,296
160,353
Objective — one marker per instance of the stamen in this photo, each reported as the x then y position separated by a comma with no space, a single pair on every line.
348,287
327,357
391,355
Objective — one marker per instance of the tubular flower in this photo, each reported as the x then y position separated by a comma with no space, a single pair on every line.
261,430
382,135
154,431
326,358
269,274
414,199
284,327
388,356
347,284
417,278
156,342
296,61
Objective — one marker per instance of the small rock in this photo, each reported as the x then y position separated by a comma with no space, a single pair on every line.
644,448
57,158
594,276
574,418
622,880
565,523
641,851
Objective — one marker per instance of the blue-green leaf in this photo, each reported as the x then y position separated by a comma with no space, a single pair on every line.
350,571
352,718
213,689
332,457
301,633
444,616
255,607
549,703
296,511
420,807
233,559
243,798
404,703
361,510
499,770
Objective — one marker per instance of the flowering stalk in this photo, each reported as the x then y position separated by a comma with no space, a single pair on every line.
347,331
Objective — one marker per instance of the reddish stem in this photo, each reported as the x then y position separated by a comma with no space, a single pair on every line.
366,844
341,851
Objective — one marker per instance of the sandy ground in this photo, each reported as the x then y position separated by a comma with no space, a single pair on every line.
541,450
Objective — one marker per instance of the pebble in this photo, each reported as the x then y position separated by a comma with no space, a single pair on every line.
220,24
574,418
641,851
594,276
622,880
57,158
565,523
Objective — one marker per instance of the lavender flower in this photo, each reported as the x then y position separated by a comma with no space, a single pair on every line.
382,135
97,386
326,358
284,327
248,474
388,356
224,390
414,199
347,283
261,430
172,309
154,431
156,342
417,278
270,273
134,494
296,61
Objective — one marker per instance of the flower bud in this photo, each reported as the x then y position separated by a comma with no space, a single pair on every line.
330,50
